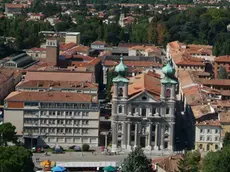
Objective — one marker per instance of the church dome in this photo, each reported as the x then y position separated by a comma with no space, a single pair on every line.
168,70
121,68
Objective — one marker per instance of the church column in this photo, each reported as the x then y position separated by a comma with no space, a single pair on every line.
162,136
114,136
129,135
171,139
136,135
150,136
156,137
124,135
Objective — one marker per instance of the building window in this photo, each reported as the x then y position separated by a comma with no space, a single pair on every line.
201,138
143,111
120,92
216,147
208,130
208,147
154,110
144,98
120,109
216,131
201,130
200,146
133,110
167,93
167,111
209,138
216,138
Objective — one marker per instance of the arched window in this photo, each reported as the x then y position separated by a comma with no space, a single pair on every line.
120,109
120,92
167,93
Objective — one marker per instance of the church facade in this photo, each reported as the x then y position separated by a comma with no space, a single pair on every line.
143,110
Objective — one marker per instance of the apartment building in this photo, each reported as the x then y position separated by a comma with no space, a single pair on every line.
208,135
49,118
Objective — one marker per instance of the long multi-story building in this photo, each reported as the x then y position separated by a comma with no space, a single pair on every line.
50,118
143,110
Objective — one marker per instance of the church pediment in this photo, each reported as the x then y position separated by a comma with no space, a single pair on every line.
144,97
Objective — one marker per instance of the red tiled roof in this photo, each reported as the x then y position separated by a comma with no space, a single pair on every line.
98,43
209,123
16,5
38,49
60,76
49,97
64,47
224,59
56,84
84,58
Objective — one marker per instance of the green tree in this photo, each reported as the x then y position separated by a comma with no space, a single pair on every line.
7,133
222,73
226,140
190,162
217,161
14,158
136,162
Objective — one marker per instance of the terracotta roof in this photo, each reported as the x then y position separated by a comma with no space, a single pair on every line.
49,97
169,164
142,64
109,63
16,5
209,123
64,47
224,117
56,84
60,76
93,62
98,43
80,48
202,110
82,57
190,63
6,74
186,78
144,82
223,59
193,95
216,82
37,49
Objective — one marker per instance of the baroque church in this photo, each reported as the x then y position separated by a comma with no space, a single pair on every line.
143,109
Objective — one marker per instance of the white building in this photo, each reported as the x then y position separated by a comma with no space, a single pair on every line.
54,117
143,109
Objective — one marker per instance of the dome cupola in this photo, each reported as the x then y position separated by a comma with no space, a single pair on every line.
121,68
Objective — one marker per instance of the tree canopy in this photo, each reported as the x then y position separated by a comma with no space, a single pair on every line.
14,158
7,134
190,162
136,162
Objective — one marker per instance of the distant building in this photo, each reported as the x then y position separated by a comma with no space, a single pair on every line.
18,61
68,36
13,9
50,118
37,53
98,45
208,135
